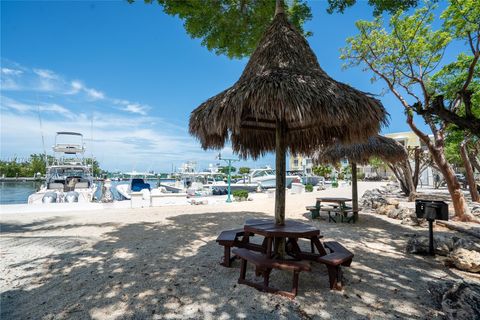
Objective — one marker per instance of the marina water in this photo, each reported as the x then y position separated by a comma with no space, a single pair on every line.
17,192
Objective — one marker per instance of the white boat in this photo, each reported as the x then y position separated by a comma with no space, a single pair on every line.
69,179
266,178
135,185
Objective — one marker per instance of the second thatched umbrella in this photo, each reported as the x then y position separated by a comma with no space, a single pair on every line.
285,102
378,146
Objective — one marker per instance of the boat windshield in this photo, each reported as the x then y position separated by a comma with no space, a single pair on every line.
68,172
262,173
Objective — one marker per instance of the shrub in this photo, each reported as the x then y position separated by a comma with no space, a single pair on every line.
242,194
360,176
309,188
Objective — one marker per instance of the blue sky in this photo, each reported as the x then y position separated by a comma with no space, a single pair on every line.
129,76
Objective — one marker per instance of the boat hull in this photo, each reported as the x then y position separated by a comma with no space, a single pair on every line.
269,183
57,196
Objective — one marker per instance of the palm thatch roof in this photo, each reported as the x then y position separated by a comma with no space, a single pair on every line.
378,146
284,84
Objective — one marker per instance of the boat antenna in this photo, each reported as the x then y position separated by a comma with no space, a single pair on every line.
91,138
41,132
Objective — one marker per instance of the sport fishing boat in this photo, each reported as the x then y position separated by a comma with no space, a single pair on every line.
135,185
266,178
69,179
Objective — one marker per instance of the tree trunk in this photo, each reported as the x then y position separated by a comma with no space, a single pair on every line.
280,166
402,172
437,150
279,7
462,212
401,179
407,171
354,187
472,186
474,161
416,171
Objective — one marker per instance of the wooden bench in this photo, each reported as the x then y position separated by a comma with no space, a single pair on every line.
314,210
338,256
229,239
343,214
264,267
236,238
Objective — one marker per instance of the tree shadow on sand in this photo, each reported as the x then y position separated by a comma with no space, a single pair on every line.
170,270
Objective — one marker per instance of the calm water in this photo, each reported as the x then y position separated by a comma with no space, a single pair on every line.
16,192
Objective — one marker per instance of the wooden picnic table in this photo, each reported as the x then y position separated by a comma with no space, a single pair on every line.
340,209
341,201
292,231
265,259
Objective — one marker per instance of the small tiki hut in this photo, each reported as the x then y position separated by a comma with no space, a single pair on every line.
378,146
283,102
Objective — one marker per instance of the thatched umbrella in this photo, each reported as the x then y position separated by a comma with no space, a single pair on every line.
285,101
378,146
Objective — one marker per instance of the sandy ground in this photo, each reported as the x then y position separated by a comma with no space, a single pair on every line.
163,263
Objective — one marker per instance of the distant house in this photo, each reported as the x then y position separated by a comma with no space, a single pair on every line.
410,139
300,163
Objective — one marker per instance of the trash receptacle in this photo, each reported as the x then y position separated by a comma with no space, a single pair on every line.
431,210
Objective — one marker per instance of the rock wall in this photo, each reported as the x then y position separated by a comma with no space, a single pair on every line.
457,300
461,253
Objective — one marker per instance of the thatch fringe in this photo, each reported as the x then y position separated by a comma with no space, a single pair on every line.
378,146
283,81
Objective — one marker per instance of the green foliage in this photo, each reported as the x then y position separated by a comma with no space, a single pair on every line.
404,54
345,172
360,175
462,19
379,6
231,27
224,170
96,171
452,147
242,194
29,168
308,187
322,170
377,163
36,164
244,170
449,80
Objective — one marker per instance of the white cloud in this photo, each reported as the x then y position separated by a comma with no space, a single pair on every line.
94,94
76,86
11,72
7,103
46,74
136,108
124,147
125,134
57,109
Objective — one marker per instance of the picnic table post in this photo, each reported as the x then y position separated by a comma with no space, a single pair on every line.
354,191
354,186
280,166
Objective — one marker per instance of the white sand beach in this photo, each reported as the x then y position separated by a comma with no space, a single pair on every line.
163,263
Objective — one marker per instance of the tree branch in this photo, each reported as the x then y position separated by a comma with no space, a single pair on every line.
437,108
